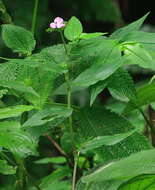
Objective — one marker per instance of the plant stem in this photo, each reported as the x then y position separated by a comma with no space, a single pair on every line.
34,19
147,121
69,90
76,158
56,145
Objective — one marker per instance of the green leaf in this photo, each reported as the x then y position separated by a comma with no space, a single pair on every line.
97,121
18,39
102,68
19,86
145,95
6,169
14,111
96,89
17,141
91,35
54,115
136,164
104,140
73,29
120,33
134,53
121,86
53,180
54,160
142,182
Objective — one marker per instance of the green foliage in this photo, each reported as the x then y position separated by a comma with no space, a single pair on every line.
18,39
6,169
145,95
14,111
146,182
78,145
126,168
73,29
17,141
120,33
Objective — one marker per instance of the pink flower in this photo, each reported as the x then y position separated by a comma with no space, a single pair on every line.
58,23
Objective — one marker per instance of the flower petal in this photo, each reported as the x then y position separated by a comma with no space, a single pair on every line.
60,25
53,25
58,20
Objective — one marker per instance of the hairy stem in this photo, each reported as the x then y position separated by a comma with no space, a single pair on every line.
34,19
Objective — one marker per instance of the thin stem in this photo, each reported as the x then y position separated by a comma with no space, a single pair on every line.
69,90
76,158
56,145
147,121
59,149
34,19
64,43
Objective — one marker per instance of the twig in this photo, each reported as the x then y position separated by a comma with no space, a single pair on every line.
56,145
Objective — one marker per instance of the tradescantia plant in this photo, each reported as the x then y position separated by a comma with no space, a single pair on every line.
99,147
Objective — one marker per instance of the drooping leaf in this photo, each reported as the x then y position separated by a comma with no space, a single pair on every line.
17,141
18,39
119,34
96,89
73,29
6,169
14,111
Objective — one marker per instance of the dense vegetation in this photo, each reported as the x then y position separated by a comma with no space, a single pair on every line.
55,134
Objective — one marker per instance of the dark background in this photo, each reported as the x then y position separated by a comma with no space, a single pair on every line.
95,15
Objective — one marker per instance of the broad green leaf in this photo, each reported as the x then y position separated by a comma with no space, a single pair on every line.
91,35
104,140
119,34
73,29
101,69
143,182
136,164
97,121
134,53
18,39
17,141
6,169
14,111
96,89
139,37
107,185
54,160
52,114
19,86
145,95
121,85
